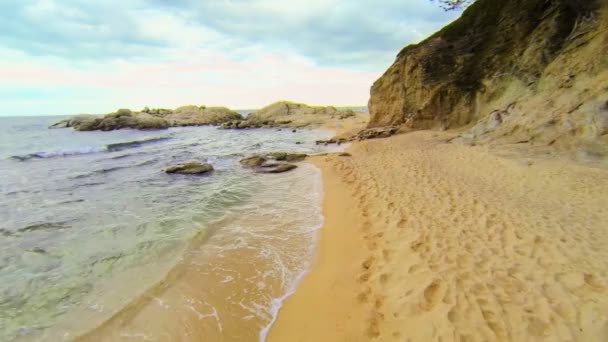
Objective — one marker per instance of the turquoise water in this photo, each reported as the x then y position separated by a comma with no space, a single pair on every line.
79,208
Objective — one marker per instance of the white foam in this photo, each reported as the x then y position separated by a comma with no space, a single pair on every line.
277,303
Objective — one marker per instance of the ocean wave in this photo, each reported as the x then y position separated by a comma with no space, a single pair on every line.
43,226
132,144
89,149
59,153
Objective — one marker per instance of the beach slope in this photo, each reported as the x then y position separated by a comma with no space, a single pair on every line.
430,241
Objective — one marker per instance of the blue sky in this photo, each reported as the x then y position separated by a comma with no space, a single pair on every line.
82,56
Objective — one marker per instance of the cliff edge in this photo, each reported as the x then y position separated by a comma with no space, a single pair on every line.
510,71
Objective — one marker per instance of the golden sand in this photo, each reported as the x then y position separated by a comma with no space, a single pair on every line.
429,241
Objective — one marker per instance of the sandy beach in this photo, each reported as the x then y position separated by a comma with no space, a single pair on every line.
429,241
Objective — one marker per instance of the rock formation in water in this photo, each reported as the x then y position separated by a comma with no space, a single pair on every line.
190,168
274,162
289,114
151,119
123,118
198,116
510,71
279,114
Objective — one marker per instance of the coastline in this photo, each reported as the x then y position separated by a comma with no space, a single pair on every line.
425,240
324,306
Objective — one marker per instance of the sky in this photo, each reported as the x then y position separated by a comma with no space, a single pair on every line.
80,56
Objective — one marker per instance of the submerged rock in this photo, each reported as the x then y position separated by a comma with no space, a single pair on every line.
190,168
290,157
275,162
253,161
280,168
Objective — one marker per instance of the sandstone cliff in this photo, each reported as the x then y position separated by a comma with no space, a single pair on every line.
510,71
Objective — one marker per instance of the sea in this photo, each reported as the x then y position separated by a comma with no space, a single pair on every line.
98,243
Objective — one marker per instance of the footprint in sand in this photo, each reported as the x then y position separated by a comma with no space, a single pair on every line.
432,295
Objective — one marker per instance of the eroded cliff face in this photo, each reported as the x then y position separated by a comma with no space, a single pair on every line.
513,70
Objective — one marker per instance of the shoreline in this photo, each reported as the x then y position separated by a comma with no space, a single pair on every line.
425,240
214,316
304,312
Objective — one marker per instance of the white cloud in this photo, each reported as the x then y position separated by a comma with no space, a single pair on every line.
62,56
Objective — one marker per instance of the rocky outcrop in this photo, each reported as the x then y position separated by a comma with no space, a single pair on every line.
190,168
198,116
369,133
158,118
289,114
274,162
511,70
279,114
123,118
377,132
73,121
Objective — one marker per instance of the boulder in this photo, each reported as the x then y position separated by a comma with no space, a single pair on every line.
289,157
253,161
280,168
190,168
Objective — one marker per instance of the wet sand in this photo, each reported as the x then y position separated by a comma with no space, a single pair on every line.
429,241
232,278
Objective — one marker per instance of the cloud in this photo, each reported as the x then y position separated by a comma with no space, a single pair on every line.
203,78
360,33
63,56
364,33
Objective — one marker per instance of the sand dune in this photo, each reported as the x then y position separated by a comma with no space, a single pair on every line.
428,241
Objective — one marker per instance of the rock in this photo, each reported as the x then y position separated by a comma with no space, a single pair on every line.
291,114
344,154
75,120
201,115
253,161
377,132
535,53
118,120
190,168
270,164
123,112
334,140
88,125
157,118
282,167
61,124
123,118
290,157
